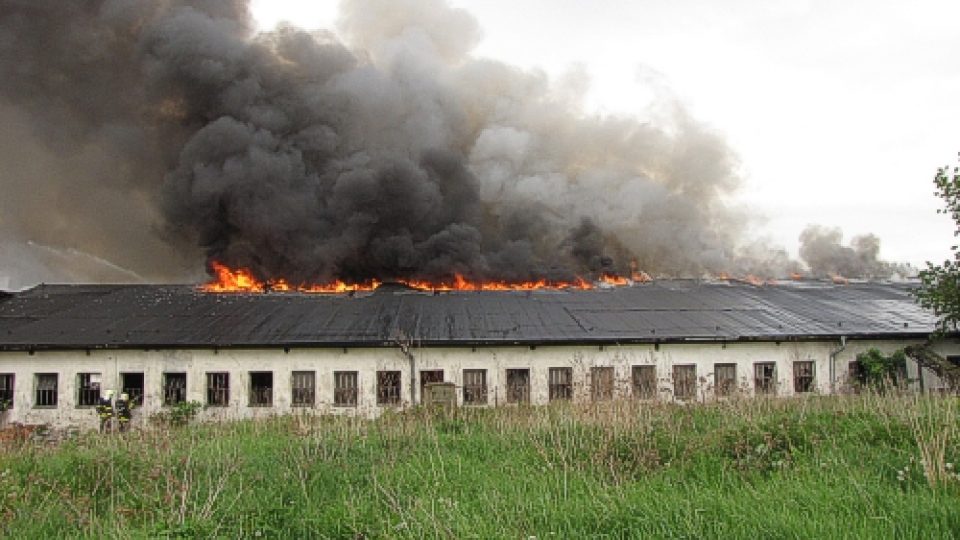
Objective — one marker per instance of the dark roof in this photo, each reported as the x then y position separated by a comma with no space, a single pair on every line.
153,316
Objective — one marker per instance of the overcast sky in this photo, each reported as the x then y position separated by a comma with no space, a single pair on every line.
840,112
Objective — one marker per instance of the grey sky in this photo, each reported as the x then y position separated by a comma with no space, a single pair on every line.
840,111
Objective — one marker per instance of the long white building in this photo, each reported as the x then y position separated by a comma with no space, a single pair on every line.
248,355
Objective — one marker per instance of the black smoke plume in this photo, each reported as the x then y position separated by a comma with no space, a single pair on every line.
159,135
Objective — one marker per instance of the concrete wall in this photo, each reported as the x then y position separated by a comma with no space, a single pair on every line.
366,362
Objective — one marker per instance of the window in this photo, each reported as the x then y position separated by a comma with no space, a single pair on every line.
6,390
345,388
518,385
724,379
475,386
261,388
88,389
601,383
218,389
132,385
645,382
560,383
803,376
46,390
765,378
174,388
685,382
428,376
388,388
304,388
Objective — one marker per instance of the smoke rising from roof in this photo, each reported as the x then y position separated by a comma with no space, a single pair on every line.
160,134
821,248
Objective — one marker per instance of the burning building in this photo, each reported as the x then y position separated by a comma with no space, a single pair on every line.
380,209
250,354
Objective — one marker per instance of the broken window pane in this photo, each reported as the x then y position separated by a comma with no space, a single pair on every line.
765,378
88,389
261,388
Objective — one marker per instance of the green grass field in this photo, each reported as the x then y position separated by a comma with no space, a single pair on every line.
829,467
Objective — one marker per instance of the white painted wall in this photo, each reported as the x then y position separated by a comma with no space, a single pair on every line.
367,361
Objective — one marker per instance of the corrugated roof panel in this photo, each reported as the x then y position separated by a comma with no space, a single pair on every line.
156,316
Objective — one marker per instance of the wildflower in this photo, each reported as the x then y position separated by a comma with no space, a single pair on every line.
949,466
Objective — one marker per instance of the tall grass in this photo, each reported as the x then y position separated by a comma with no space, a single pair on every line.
852,466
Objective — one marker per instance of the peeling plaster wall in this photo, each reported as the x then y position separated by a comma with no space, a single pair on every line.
452,360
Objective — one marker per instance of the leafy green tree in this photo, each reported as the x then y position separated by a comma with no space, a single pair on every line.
939,290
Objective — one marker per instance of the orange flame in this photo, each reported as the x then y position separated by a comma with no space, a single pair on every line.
242,280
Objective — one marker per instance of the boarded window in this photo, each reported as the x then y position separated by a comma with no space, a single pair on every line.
88,389
561,383
304,388
261,388
475,386
644,382
174,388
724,379
765,378
518,386
601,383
803,376
388,388
6,390
685,382
345,388
428,376
47,390
218,389
132,385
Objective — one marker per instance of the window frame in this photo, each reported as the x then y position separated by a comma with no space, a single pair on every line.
346,396
300,392
641,386
389,388
728,386
135,396
560,383
218,396
684,384
8,386
255,396
475,392
602,383
804,376
88,391
518,393
169,391
37,380
764,385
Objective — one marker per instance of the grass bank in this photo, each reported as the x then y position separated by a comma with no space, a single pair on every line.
856,466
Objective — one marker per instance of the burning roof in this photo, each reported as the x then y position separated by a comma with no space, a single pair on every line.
134,316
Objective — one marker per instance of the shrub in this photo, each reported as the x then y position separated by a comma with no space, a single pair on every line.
178,415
